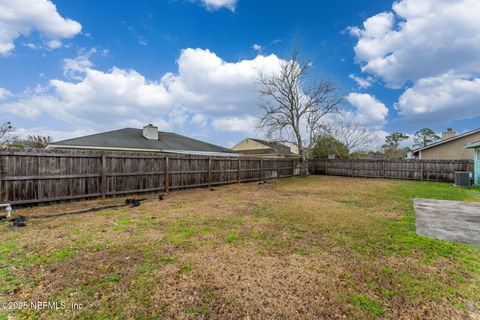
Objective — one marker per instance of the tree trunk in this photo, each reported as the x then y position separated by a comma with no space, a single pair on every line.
303,157
303,164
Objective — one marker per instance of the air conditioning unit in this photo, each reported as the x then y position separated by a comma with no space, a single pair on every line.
463,178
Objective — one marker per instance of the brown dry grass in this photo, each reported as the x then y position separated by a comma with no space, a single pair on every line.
320,247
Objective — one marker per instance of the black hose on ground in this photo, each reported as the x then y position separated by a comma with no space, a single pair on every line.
128,202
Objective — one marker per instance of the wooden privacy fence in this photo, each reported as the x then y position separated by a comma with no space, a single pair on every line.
422,170
42,176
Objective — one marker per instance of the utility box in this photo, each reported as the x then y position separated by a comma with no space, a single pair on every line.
463,178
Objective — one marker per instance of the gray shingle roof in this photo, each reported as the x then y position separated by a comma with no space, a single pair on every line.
133,139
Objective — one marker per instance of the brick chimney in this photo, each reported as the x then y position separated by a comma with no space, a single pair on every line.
448,134
150,132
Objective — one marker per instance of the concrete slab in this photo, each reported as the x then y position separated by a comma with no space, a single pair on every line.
448,220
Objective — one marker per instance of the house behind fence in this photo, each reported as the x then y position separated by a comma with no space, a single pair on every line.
450,147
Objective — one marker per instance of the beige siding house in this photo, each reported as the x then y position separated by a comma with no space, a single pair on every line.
451,147
262,148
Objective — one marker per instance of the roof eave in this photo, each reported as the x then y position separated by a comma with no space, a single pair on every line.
66,146
447,140
472,145
206,153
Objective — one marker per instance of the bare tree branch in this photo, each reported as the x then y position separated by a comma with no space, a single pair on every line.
353,135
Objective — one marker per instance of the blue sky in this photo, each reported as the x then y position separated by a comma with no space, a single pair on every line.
69,68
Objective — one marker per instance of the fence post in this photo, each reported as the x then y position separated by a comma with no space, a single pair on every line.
3,197
261,169
209,172
103,178
239,171
353,169
326,167
421,170
278,168
383,169
293,167
167,174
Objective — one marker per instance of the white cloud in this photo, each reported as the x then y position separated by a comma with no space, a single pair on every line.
21,17
433,46
115,95
362,83
246,124
370,112
218,4
257,47
420,39
4,94
204,87
30,107
100,99
55,134
75,68
200,120
30,45
353,31
209,84
441,99
54,44
142,41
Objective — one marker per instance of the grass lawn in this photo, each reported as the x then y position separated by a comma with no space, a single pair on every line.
308,248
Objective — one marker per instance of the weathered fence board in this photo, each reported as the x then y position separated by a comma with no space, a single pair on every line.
448,220
43,176
422,170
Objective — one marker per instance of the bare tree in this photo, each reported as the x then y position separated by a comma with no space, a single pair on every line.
33,141
37,141
6,129
353,135
294,111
